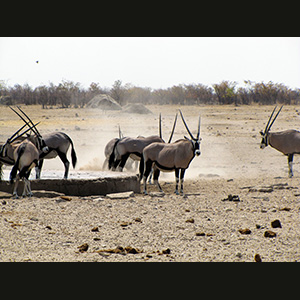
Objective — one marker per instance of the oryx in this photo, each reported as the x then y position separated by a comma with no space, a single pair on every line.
25,156
134,147
287,142
109,149
175,156
58,144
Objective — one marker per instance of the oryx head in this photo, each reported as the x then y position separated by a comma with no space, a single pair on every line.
265,140
195,141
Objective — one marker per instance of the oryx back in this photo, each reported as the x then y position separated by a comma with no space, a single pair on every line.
287,142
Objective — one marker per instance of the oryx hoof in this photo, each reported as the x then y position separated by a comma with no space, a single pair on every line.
15,196
176,192
145,193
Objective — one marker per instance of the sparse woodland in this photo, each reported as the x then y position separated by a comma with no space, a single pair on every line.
72,94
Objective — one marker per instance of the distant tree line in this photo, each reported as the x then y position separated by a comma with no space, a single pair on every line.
69,93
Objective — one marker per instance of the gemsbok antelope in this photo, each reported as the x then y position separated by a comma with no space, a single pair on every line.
25,156
175,156
133,147
58,144
287,142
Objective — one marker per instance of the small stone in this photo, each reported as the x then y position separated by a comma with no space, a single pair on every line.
270,234
200,234
166,251
139,220
95,229
257,258
276,224
84,247
191,220
245,231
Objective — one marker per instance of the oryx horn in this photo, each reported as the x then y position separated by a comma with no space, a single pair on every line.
198,133
275,117
35,129
186,125
270,118
169,141
30,128
159,126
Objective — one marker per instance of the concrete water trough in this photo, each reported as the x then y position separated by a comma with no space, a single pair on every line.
104,183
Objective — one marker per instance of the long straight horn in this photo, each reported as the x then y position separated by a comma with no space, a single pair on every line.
30,128
186,125
169,141
270,118
275,117
17,132
120,133
159,126
198,134
34,128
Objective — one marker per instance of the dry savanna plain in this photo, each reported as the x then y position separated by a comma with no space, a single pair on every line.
206,225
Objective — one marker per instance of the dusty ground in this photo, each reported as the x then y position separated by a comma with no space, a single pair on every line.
199,227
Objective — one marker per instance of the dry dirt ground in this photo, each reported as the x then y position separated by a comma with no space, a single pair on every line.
199,227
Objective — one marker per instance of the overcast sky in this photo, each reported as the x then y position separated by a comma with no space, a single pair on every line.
156,62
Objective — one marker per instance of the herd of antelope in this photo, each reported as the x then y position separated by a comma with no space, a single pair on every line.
154,154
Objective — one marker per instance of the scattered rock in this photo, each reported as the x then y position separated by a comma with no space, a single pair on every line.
200,234
276,224
166,251
95,229
191,220
124,195
3,202
125,224
139,220
270,234
156,194
284,209
83,248
257,258
48,227
234,198
245,231
120,250
66,198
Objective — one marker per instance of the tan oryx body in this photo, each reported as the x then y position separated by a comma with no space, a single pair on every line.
133,147
127,146
59,144
175,156
26,156
287,142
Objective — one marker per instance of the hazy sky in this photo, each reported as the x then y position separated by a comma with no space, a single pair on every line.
156,62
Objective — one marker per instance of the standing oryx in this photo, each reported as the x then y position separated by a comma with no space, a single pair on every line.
170,157
25,156
58,144
133,147
287,142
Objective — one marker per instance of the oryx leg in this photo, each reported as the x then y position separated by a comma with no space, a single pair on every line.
181,180
156,173
290,163
65,161
177,181
15,191
123,162
147,170
38,169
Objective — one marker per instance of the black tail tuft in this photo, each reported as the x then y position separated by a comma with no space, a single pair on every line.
112,156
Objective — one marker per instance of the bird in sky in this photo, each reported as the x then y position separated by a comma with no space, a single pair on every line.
37,61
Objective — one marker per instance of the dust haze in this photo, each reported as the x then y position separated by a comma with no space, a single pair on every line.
229,146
